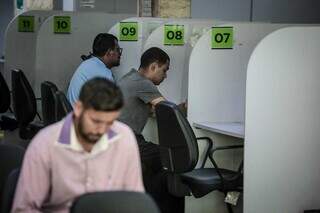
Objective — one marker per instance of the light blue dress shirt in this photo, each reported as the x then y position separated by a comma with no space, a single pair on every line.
87,70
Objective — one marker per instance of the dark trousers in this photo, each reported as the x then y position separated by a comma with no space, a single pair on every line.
155,178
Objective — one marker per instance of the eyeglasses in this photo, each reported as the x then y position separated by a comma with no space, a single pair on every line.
119,49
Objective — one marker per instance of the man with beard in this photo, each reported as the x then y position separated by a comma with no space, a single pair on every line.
88,151
106,54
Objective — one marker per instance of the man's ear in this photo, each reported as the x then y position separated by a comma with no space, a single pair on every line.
77,108
108,53
153,66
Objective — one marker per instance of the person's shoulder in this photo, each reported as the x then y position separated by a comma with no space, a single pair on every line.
121,127
88,63
124,131
47,136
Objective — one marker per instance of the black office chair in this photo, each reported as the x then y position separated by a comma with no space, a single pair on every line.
62,105
48,91
11,157
114,201
179,156
24,105
9,191
7,122
86,57
4,95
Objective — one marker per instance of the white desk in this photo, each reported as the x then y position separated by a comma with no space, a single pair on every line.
235,129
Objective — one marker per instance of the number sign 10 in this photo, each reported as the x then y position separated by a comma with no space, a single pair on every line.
62,24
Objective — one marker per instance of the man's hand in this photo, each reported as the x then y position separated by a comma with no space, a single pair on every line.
183,107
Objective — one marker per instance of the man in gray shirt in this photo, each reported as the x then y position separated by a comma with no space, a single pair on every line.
141,96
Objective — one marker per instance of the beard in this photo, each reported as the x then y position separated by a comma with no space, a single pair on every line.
88,137
116,63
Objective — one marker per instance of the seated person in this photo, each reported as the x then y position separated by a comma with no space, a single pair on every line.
141,96
106,54
88,151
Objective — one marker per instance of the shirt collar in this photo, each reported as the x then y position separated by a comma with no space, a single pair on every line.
99,61
69,139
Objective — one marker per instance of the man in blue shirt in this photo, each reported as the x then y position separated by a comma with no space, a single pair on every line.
106,54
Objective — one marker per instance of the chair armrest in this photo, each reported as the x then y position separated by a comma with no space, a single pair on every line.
38,115
223,148
226,148
210,145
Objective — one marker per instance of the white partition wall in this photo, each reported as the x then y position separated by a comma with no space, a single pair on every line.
20,47
132,50
175,86
217,83
58,55
216,94
282,170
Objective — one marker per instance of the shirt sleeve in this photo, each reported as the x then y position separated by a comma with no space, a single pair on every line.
33,184
134,181
148,91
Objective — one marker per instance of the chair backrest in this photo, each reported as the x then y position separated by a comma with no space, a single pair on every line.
114,201
4,95
23,98
11,157
178,144
62,105
48,91
9,191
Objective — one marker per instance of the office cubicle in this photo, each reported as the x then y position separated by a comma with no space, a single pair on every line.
20,43
217,86
282,123
177,39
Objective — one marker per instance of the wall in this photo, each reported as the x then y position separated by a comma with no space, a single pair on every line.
229,10
174,9
6,14
109,6
285,11
290,11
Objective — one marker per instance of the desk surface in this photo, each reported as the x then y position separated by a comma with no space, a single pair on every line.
235,129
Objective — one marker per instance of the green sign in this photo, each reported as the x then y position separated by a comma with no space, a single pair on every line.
222,38
128,31
173,34
26,23
62,24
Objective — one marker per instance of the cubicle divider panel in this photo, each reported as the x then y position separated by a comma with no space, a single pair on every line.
20,43
282,123
58,50
177,38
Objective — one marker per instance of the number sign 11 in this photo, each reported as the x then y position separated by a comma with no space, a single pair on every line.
222,38
26,23
128,31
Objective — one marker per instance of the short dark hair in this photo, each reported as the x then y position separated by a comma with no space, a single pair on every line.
101,94
102,43
153,54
